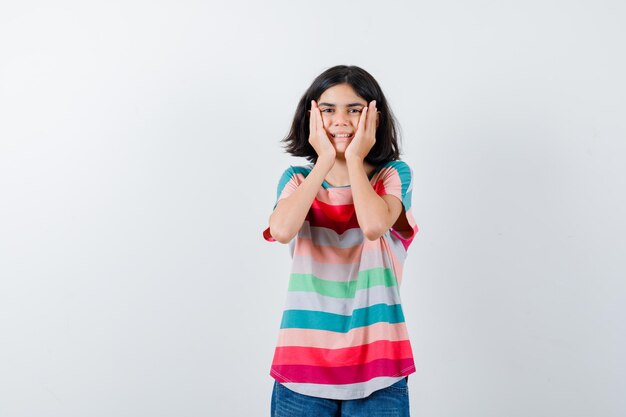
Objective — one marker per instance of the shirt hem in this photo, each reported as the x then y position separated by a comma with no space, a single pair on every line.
335,393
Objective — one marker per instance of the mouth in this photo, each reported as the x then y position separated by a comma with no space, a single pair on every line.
342,135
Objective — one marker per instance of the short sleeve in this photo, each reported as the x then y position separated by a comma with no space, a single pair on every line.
396,178
289,181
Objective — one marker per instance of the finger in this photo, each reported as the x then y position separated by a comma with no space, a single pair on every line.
365,115
313,118
371,120
362,121
320,121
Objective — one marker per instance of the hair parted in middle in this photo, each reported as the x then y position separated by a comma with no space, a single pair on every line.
385,149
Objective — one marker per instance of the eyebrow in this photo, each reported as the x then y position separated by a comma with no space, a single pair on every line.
348,105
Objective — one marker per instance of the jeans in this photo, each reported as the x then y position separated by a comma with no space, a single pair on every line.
392,401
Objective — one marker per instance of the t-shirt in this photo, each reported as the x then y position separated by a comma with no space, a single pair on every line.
343,334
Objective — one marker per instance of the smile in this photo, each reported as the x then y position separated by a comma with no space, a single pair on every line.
341,135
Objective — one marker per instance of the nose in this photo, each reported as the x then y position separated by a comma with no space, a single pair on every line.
340,119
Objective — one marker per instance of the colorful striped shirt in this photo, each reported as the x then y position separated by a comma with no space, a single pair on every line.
343,334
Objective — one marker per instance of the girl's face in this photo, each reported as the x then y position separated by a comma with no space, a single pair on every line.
341,109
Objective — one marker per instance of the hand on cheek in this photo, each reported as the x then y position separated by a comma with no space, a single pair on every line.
318,137
365,137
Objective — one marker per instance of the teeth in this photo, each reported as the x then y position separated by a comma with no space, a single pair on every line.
342,135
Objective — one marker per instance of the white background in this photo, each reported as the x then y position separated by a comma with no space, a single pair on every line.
139,157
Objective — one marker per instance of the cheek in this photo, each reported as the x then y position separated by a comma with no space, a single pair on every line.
354,121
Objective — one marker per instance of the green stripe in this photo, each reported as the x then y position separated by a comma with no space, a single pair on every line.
366,279
361,317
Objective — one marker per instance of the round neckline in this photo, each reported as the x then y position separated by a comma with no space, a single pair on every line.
325,184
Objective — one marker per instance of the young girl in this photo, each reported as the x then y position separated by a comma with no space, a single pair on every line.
343,347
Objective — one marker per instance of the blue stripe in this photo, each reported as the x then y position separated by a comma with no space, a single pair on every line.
404,172
319,320
407,200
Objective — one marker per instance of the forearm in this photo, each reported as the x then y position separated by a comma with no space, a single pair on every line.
372,212
286,220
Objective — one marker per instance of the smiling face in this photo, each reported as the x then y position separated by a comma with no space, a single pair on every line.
341,109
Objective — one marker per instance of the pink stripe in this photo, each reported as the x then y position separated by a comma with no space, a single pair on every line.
334,255
393,184
335,196
327,254
405,238
291,186
397,265
342,374
334,340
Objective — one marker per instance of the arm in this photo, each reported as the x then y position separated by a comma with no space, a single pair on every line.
290,212
375,214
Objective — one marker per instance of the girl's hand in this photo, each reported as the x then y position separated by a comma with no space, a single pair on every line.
318,137
365,136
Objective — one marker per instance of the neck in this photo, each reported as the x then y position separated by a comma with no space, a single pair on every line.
338,174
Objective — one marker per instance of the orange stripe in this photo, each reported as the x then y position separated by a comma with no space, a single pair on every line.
333,340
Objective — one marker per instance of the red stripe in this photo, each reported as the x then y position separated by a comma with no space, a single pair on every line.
338,212
339,217
379,187
343,212
318,217
267,235
343,374
354,355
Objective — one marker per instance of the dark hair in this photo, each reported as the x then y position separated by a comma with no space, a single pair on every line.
386,147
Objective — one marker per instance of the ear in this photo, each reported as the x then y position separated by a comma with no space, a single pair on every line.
378,115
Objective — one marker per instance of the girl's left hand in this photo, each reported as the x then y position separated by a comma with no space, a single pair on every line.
365,136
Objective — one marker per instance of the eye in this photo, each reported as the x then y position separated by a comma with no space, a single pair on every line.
355,110
328,110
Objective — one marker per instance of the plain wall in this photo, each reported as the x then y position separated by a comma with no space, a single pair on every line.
139,158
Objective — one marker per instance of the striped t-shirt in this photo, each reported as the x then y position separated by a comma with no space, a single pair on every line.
343,334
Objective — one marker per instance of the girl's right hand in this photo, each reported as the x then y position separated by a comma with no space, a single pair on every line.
318,138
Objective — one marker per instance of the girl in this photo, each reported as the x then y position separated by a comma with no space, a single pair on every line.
343,347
